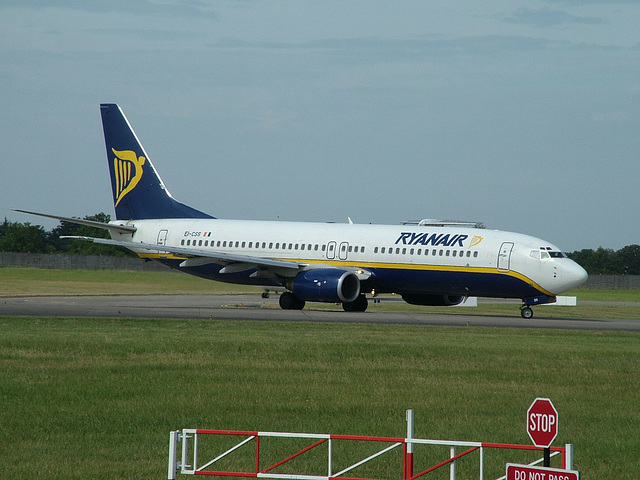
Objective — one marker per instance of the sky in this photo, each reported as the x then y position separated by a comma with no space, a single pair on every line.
523,115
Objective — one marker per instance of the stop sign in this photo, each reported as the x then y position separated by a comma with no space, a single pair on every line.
542,422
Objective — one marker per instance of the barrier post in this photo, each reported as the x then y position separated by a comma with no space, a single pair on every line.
173,448
408,464
568,456
452,465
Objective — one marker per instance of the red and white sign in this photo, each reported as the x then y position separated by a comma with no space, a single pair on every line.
542,422
527,472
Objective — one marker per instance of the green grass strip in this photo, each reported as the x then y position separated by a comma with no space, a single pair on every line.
96,398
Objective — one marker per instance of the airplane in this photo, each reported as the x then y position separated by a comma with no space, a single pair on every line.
431,263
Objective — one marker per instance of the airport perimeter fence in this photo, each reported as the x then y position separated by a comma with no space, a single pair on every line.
96,262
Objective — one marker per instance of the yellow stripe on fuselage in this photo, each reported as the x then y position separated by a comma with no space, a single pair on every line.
431,268
384,265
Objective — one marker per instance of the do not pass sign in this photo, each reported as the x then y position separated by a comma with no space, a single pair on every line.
542,422
527,472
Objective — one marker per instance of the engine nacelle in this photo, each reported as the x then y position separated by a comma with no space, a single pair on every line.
433,300
325,285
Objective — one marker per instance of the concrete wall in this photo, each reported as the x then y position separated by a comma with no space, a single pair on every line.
84,262
613,282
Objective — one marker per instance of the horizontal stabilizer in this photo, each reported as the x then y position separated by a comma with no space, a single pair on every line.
88,223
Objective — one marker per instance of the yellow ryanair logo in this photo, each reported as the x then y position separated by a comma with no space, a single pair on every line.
127,168
475,240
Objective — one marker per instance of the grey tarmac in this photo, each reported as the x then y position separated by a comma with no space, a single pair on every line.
253,308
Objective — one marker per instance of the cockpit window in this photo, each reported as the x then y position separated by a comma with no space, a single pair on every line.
548,252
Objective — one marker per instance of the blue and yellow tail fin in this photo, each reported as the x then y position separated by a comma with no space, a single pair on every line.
138,190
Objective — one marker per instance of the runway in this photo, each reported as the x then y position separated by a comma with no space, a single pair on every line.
254,308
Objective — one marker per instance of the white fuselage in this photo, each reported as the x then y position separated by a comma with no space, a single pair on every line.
401,259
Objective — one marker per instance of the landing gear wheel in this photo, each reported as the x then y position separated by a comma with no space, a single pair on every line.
265,294
526,312
360,304
288,301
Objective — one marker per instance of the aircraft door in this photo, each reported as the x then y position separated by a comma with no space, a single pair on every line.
343,251
331,250
162,240
504,257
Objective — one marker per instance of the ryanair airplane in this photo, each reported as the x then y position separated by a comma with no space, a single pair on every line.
427,263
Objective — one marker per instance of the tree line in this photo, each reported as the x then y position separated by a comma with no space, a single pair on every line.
24,237
27,238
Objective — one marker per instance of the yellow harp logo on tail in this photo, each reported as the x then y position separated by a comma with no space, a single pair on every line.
127,168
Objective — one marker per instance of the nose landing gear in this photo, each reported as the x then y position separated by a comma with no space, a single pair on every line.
525,309
526,312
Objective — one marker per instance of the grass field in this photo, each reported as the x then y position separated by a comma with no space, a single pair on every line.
36,281
96,398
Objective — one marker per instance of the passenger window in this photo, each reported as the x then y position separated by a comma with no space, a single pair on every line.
411,251
188,243
206,243
382,250
316,247
302,246
397,251
270,245
243,244
361,249
447,253
182,242
475,254
404,251
324,247
454,253
290,246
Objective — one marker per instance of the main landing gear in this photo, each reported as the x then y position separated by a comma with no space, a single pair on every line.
360,304
288,301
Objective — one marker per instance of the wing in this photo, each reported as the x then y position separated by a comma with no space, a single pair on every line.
232,262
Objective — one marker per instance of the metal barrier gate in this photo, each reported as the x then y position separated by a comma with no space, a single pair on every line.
190,463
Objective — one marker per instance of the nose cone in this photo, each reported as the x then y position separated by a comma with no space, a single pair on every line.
573,275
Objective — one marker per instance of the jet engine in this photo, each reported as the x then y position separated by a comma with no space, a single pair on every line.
433,300
325,285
